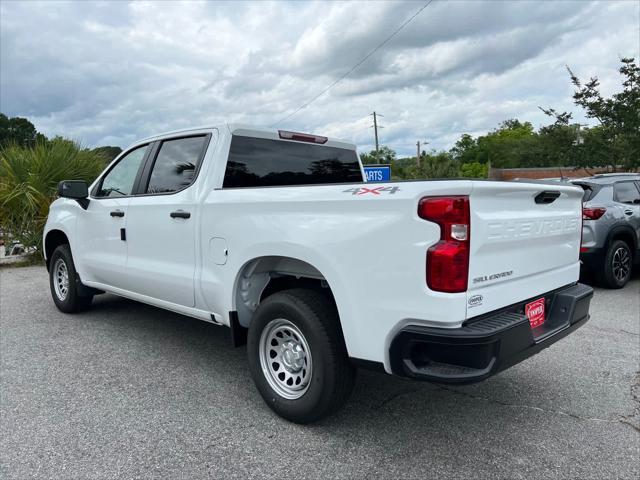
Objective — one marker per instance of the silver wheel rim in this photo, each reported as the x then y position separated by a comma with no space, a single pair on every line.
621,263
61,279
285,358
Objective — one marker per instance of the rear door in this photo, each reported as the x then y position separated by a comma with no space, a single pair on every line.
161,222
525,240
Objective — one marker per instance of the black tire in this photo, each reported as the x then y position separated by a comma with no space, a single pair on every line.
618,263
332,376
69,301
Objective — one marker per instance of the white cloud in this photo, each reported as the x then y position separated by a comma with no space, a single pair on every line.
112,72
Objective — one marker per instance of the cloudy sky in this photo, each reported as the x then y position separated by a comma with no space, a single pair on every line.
107,73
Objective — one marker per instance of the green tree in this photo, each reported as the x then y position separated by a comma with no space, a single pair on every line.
434,165
17,130
593,149
28,183
108,152
383,155
512,144
474,170
400,168
561,142
466,150
617,138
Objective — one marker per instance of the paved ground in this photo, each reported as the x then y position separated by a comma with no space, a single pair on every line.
130,391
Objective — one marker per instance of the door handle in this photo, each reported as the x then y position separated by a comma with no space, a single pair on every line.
628,212
116,213
180,214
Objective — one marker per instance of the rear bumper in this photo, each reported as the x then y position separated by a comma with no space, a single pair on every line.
488,344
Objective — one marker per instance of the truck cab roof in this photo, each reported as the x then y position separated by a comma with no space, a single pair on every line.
253,131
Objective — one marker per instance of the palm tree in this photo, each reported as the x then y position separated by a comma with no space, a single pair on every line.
28,183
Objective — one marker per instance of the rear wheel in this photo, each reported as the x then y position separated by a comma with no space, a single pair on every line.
297,355
617,264
64,282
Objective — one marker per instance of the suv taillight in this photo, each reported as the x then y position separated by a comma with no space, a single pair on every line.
592,213
448,260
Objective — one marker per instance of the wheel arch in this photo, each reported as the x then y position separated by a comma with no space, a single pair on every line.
263,276
52,240
624,233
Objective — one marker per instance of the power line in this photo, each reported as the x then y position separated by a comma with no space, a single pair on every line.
382,44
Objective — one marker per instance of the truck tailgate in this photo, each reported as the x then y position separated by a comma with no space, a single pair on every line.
521,247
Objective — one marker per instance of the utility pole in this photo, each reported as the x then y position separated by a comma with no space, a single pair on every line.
418,152
375,129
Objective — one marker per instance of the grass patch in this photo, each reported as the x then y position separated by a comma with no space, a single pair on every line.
30,260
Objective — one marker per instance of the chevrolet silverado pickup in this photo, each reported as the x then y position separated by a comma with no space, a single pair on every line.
276,235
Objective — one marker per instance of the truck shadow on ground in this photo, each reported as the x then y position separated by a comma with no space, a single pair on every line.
381,402
594,279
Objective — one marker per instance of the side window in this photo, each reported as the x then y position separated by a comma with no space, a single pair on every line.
176,164
118,182
626,192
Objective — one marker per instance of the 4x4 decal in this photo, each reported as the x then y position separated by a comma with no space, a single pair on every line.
373,191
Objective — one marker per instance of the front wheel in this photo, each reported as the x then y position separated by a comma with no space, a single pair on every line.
297,355
64,282
617,264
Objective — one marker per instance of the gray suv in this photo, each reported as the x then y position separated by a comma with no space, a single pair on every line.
611,226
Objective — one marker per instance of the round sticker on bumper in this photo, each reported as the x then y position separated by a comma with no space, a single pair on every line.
475,301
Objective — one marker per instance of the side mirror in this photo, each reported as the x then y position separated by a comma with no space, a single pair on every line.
73,189
76,189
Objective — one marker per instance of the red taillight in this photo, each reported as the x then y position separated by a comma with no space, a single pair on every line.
448,260
593,213
301,137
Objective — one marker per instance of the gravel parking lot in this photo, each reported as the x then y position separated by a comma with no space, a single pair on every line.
130,391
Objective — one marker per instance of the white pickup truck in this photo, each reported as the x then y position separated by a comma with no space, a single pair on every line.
275,235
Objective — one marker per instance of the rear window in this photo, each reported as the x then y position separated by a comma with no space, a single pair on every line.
259,162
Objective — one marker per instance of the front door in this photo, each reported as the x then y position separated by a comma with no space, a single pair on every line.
161,223
101,251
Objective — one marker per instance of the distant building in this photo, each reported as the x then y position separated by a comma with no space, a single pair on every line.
544,173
